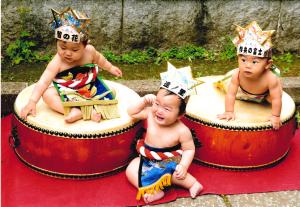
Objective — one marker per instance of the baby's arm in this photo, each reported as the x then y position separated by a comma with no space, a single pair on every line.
275,90
230,98
100,60
188,147
50,72
140,109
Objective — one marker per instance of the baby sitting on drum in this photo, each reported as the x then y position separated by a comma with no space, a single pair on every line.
256,79
73,70
168,148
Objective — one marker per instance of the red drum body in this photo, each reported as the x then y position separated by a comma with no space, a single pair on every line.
84,149
245,143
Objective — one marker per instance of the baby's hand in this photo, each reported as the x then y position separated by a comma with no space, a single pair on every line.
30,108
180,172
115,71
227,116
275,121
149,99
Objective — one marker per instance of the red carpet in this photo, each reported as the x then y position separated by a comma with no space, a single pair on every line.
22,187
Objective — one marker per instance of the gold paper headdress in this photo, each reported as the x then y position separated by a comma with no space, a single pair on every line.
70,25
251,40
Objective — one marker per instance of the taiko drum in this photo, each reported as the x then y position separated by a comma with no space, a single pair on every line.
245,143
84,149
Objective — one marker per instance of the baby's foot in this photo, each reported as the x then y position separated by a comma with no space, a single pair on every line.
74,115
95,116
148,198
195,189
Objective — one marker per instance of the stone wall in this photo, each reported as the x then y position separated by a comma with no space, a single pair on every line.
121,25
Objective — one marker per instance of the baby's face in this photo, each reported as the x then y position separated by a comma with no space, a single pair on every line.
69,51
165,109
251,66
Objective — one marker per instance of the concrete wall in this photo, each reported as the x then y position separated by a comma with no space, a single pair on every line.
121,25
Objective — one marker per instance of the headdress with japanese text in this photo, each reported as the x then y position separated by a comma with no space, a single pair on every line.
70,25
251,40
178,81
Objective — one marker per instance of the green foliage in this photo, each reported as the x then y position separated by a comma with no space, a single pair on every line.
135,56
24,13
23,50
188,52
287,58
111,56
298,117
285,69
229,50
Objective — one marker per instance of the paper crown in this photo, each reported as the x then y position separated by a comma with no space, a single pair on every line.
178,81
251,40
70,25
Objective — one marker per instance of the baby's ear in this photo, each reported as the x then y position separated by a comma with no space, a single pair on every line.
269,63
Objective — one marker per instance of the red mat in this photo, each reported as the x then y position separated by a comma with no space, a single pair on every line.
23,187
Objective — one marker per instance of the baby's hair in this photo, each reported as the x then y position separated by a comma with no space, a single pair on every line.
183,102
85,42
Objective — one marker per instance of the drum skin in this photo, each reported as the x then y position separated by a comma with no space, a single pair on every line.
86,150
246,143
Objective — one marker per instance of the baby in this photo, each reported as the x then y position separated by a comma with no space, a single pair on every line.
168,148
255,79
73,50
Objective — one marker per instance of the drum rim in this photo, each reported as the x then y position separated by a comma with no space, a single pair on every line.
244,168
221,125
124,126
69,175
96,135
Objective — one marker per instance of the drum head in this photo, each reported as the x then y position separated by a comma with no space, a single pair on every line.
46,118
207,102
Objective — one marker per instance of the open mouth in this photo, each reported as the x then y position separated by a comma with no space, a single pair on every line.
68,59
159,118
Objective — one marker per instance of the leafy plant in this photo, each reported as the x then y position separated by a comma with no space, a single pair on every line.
111,56
188,52
229,51
23,50
287,57
285,69
135,56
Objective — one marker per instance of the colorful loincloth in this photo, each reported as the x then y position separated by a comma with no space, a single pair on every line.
80,87
244,95
156,167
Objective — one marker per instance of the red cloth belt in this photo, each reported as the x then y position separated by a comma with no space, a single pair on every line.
155,155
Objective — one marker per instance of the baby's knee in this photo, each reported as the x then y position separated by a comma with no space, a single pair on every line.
132,168
49,93
128,171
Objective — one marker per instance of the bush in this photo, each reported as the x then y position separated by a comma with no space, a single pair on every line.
23,50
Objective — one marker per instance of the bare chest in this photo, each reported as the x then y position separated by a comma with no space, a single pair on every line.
83,61
258,86
162,137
